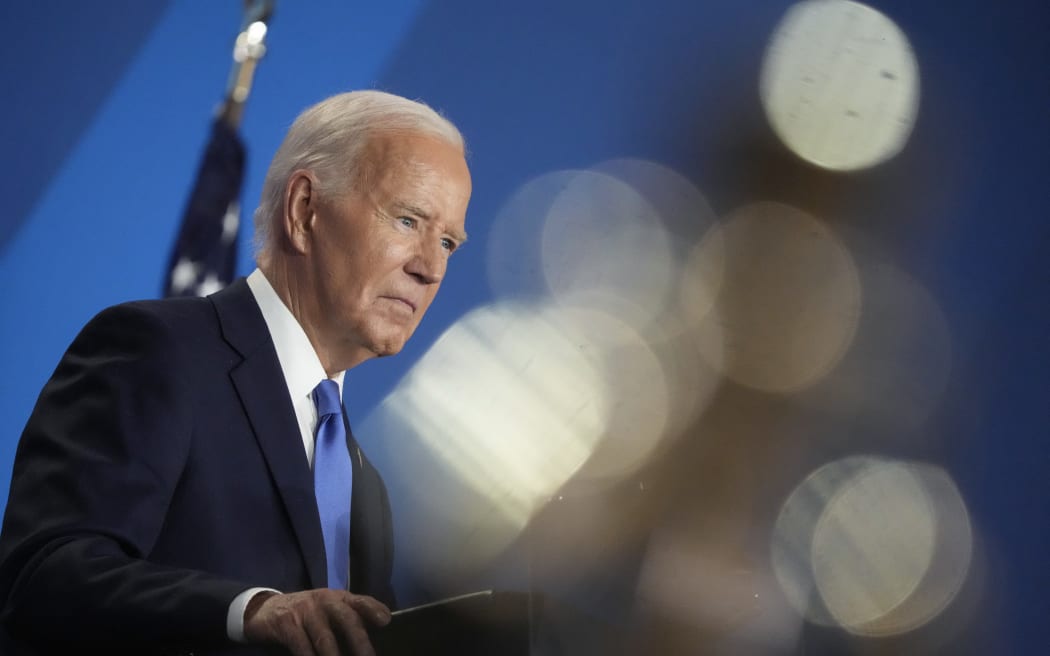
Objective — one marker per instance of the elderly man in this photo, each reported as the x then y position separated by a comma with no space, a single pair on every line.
187,480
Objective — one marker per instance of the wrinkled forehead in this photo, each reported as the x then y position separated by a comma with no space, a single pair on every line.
408,147
402,157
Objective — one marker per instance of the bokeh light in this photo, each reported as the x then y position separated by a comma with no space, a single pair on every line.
696,584
612,237
607,245
692,379
513,249
508,405
683,210
635,383
604,241
787,301
700,588
876,546
872,543
687,218
840,84
896,372
498,414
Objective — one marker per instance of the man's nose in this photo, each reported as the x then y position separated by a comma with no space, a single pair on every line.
428,263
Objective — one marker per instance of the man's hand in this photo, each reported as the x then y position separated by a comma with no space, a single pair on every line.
314,622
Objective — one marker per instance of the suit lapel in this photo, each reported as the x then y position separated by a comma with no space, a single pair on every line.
359,556
368,530
259,382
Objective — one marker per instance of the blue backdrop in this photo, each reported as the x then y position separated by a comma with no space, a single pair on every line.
107,108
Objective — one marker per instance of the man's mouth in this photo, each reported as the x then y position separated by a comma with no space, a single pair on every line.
404,301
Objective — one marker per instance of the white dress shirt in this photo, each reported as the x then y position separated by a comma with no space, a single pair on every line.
299,362
302,372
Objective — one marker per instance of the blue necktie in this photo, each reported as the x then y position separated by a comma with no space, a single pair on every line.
333,479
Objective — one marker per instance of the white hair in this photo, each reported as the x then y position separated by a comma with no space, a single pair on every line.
329,139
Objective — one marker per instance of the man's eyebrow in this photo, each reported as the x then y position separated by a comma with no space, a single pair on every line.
459,236
415,210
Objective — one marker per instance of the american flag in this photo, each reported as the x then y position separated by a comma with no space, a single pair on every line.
205,255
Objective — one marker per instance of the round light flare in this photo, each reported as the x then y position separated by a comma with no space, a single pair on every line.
682,208
876,546
685,217
636,385
873,544
514,267
603,239
505,407
509,403
692,379
563,232
708,586
897,369
788,298
610,242
702,277
793,535
840,84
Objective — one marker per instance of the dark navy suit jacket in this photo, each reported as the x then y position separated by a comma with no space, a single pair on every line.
160,474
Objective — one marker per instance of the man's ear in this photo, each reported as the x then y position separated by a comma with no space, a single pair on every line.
300,209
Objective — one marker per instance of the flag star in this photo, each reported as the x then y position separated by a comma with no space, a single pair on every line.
207,243
184,275
209,285
230,221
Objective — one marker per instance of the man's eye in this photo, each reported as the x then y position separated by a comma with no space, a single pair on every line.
407,221
448,244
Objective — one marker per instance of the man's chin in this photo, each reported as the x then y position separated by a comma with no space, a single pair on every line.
382,353
383,340
388,347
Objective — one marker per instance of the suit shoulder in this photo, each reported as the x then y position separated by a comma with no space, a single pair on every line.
170,311
164,316
163,332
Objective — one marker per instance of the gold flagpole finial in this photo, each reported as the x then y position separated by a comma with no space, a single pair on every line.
248,49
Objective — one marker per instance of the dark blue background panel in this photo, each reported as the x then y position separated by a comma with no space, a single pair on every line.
61,60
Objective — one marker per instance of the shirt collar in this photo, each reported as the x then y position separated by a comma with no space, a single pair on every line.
299,362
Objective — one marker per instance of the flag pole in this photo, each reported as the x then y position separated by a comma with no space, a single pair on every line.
248,49
203,258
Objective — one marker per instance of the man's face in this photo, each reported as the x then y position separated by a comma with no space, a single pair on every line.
378,253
